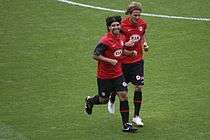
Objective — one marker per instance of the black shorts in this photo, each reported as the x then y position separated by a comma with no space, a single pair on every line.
108,86
134,72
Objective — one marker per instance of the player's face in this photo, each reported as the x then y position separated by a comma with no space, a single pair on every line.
135,15
115,28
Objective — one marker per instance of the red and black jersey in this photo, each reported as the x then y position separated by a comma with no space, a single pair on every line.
133,32
110,46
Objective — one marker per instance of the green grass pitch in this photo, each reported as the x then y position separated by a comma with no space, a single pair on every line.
46,71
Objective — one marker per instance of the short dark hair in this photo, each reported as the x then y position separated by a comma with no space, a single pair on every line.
110,20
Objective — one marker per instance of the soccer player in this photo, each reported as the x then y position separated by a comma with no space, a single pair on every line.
134,29
108,53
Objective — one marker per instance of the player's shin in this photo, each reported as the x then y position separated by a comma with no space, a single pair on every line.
137,102
124,111
95,100
112,98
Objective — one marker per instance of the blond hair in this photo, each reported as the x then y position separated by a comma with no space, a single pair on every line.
133,6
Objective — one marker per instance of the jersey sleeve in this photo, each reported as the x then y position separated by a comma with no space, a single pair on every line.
145,26
100,49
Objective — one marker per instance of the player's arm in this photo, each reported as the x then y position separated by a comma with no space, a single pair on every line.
99,52
130,43
129,53
144,42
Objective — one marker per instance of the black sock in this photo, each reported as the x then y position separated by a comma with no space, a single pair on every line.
112,98
137,102
94,100
124,110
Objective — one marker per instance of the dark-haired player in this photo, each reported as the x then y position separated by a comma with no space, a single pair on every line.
108,53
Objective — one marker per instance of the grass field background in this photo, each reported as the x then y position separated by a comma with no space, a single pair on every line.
46,71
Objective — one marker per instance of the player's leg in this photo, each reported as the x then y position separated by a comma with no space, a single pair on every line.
102,97
121,90
111,104
137,106
138,81
124,111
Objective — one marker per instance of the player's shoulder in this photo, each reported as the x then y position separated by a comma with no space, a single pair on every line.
125,21
142,21
122,36
105,39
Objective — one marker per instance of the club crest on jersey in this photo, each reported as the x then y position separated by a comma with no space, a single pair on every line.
140,28
122,43
118,53
135,38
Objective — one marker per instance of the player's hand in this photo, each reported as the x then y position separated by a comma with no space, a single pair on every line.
133,53
130,43
113,62
146,47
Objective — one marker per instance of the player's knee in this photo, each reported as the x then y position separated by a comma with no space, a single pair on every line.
123,96
103,100
139,88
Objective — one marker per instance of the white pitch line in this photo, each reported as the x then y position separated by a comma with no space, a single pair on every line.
145,14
